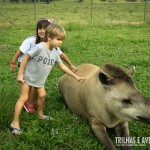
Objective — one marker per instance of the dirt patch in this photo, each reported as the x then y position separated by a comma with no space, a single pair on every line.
5,47
5,24
126,22
76,21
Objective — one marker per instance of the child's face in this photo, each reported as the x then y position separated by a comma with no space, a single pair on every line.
41,32
55,42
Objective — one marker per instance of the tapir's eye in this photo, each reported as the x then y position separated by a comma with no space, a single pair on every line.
127,102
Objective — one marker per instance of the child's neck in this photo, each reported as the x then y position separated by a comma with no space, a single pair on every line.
48,46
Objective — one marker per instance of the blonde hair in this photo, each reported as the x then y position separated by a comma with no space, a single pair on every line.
53,31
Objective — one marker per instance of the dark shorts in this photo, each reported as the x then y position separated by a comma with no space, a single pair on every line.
19,64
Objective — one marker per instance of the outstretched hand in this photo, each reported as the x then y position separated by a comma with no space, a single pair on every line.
80,78
73,68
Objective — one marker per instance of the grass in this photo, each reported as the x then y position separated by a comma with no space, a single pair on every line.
117,34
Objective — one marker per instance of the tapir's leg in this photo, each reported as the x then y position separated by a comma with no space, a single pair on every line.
101,133
122,130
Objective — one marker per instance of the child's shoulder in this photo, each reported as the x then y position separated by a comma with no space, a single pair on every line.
37,49
55,50
28,43
31,38
40,46
58,50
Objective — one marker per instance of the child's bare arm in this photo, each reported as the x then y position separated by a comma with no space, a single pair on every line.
66,59
15,58
69,72
22,67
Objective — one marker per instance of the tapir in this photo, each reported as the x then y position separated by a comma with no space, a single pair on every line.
108,98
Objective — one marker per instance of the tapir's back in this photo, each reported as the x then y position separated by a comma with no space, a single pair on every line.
73,90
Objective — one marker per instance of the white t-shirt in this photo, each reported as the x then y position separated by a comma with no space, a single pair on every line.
28,44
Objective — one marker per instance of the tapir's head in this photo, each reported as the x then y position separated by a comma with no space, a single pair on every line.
123,99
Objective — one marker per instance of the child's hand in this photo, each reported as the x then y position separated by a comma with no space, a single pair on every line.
73,68
12,67
80,78
20,79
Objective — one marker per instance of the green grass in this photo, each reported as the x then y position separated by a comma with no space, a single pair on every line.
117,34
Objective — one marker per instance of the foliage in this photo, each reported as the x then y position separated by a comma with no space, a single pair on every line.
117,34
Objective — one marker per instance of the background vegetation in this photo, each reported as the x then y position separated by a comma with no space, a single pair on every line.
114,34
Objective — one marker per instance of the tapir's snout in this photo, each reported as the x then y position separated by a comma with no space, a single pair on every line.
143,119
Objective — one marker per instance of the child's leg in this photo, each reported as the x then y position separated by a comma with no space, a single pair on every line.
22,99
32,100
41,101
33,96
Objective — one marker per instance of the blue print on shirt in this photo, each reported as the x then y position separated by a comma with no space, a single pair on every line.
46,60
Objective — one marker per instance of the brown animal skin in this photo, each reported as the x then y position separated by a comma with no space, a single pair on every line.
108,98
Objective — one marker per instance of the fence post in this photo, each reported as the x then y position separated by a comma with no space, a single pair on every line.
145,10
34,10
91,11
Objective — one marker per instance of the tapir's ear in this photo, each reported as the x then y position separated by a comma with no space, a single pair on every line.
131,71
105,78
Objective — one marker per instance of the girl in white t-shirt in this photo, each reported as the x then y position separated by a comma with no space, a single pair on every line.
26,46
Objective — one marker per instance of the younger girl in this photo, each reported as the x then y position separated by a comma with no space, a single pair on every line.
34,70
29,43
